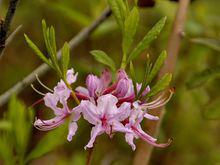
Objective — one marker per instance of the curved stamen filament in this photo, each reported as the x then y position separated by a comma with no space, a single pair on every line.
160,101
42,84
40,93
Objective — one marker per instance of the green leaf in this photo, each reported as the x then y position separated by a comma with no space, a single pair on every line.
212,110
37,51
156,68
6,150
210,42
160,85
5,125
21,125
133,77
202,77
119,10
48,143
103,58
146,41
65,58
131,24
52,38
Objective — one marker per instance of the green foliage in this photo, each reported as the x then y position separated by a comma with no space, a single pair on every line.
49,142
103,58
133,77
50,42
37,51
212,110
6,152
146,41
16,129
21,124
65,59
160,85
212,43
130,27
202,77
119,10
156,68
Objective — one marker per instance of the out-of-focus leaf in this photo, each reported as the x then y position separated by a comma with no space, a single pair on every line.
210,42
6,151
119,10
21,124
201,78
65,58
103,58
212,110
160,85
133,77
37,51
48,143
145,42
130,27
159,62
5,125
71,13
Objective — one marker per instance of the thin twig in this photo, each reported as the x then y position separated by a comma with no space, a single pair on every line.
89,157
42,69
10,38
144,151
5,24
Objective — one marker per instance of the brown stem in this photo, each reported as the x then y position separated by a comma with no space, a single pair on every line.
5,24
89,157
144,150
42,69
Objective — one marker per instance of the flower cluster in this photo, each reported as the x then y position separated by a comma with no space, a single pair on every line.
109,106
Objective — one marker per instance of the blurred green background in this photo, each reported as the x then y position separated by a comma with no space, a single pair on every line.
192,118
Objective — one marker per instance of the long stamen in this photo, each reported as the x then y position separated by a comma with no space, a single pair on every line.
160,101
42,84
40,93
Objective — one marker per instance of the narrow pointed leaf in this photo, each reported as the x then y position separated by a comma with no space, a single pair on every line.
65,58
202,77
131,24
146,41
37,50
133,77
103,58
160,85
209,42
119,11
156,68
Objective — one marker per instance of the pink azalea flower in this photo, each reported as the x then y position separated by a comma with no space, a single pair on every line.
54,100
135,118
105,116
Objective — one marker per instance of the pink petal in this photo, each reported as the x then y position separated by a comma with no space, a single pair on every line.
90,112
51,101
121,74
151,117
123,112
72,130
70,76
96,130
82,91
45,125
105,78
129,138
106,104
92,83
